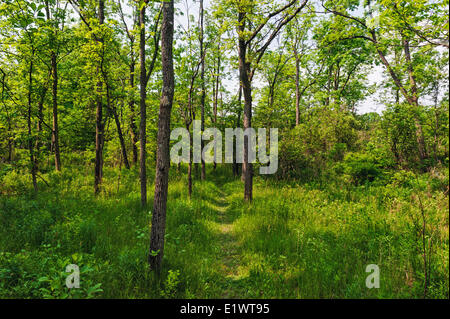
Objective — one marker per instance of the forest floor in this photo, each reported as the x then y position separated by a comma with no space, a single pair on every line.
295,240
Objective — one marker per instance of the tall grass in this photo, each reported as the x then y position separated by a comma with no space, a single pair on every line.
294,241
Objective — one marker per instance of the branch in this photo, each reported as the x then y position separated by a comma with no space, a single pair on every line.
259,28
417,32
156,37
130,36
286,20
345,16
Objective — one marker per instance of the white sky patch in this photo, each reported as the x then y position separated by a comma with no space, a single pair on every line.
371,103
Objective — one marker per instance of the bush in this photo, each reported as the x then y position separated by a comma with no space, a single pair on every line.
439,179
361,167
403,179
307,150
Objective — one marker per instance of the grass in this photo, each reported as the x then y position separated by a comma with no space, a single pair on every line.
294,241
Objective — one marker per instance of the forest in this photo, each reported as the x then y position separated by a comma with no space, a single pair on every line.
95,204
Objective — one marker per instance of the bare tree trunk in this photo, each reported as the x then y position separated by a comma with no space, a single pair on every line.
99,115
143,110
133,129
216,89
216,94
38,143
244,71
163,139
55,130
119,129
121,139
436,121
327,99
202,76
238,124
10,143
54,71
190,178
30,139
187,125
297,87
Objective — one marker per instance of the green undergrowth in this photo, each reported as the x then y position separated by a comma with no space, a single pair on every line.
295,240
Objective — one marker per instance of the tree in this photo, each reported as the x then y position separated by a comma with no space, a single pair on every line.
143,79
202,78
249,57
131,65
24,37
386,25
56,18
163,139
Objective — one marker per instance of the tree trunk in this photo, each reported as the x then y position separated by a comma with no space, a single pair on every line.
143,110
238,124
411,99
202,76
30,139
216,94
99,115
436,122
190,179
163,139
119,129
54,71
414,100
38,143
55,130
297,87
133,129
244,71
121,139
189,172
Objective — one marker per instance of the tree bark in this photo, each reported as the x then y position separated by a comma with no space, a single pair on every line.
38,143
238,124
297,86
163,139
190,166
30,139
54,72
119,129
143,110
244,71
216,94
202,76
55,130
133,129
99,113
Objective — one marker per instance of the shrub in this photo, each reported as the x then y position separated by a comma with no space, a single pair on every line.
403,179
361,167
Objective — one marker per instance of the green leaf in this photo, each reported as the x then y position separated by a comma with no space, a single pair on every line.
154,253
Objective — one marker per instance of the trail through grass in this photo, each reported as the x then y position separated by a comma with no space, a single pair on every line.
229,261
